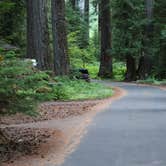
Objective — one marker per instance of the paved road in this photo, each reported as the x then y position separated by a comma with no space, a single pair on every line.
131,132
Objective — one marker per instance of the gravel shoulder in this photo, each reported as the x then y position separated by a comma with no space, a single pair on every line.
51,136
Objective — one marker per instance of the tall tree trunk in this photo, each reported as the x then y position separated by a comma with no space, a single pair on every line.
149,14
105,36
30,30
159,13
162,60
37,33
145,65
131,68
84,33
149,8
74,4
86,19
61,59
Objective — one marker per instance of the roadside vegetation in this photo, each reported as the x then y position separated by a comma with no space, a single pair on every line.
153,81
23,86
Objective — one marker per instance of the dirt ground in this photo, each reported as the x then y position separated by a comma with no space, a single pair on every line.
47,139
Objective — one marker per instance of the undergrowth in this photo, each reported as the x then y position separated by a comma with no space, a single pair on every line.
80,90
22,86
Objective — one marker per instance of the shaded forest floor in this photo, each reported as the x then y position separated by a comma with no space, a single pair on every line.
51,135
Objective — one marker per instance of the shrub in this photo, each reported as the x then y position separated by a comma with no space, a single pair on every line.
79,89
93,69
80,57
119,70
22,86
15,94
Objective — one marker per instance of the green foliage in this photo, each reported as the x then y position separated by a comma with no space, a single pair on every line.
119,70
22,86
14,94
95,44
81,53
129,20
136,34
6,6
160,38
12,21
93,69
73,18
80,57
79,89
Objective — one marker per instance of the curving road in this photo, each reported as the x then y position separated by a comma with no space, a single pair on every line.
131,132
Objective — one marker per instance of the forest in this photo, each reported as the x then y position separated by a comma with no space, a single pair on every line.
120,40
114,38
45,43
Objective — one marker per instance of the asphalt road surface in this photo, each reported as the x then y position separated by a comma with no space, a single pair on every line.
131,132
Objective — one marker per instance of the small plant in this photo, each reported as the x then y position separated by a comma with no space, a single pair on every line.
119,70
81,90
93,69
21,85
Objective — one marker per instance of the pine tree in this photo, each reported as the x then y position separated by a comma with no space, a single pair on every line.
160,38
129,20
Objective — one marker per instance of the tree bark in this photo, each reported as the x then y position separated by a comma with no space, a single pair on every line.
74,4
149,8
83,10
37,33
86,19
105,37
149,15
30,30
162,60
131,68
61,59
144,67
160,57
